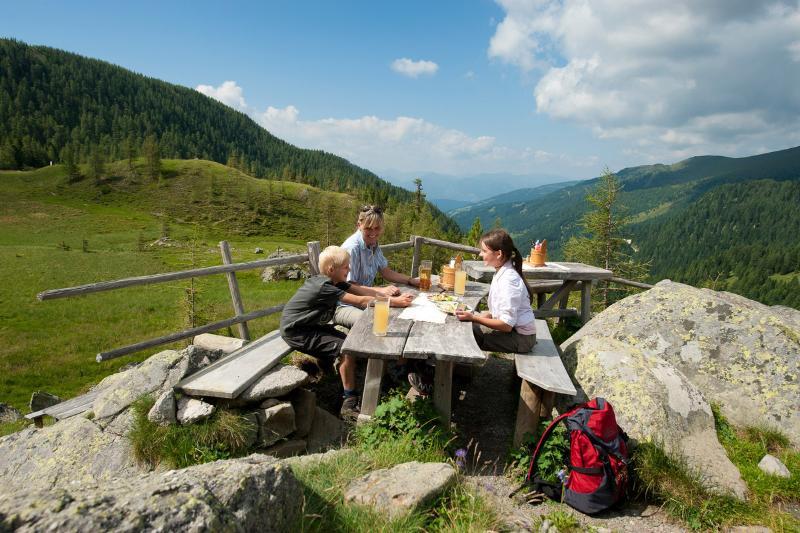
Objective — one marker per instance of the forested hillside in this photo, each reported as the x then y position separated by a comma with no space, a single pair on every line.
739,237
51,100
730,223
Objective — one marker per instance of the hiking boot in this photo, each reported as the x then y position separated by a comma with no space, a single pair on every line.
350,409
422,383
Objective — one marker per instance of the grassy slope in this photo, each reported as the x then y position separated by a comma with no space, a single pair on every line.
51,345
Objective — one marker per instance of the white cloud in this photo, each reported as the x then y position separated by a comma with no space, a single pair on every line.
669,78
229,93
414,69
401,143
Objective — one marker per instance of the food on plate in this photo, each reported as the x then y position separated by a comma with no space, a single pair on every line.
442,298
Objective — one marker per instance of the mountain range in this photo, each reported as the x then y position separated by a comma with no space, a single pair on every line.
731,223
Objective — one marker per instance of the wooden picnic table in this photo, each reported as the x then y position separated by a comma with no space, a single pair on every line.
445,344
570,275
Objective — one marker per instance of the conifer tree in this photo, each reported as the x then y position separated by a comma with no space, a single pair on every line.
603,243
96,164
152,157
70,165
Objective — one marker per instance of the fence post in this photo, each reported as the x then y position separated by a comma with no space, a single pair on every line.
417,254
233,285
313,257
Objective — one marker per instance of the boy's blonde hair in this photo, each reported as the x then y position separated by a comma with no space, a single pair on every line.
332,257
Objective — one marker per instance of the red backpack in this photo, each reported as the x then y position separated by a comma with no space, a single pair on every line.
597,476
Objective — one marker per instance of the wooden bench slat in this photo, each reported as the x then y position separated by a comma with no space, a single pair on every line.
542,366
229,376
55,410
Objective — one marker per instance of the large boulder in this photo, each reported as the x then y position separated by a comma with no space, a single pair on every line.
653,402
255,493
118,391
281,272
9,413
71,450
740,354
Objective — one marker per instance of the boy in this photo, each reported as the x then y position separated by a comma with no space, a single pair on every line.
305,318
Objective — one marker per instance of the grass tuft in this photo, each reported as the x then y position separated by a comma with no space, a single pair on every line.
222,436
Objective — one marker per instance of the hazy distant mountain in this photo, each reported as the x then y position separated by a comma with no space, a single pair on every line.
485,209
469,189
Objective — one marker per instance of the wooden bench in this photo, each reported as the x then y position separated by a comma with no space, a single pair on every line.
66,409
232,374
543,375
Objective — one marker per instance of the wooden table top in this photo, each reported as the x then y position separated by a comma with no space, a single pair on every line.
552,270
451,341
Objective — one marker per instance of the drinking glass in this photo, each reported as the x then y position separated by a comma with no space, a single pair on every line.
425,268
461,282
380,322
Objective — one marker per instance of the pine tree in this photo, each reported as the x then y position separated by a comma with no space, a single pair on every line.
603,243
97,164
68,158
419,196
152,157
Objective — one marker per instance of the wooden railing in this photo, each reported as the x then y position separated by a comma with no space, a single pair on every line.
229,269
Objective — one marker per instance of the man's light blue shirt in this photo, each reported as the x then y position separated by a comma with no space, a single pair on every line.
365,261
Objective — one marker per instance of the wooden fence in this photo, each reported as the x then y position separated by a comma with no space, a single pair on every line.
241,318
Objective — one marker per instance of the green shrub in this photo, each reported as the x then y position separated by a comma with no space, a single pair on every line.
221,436
553,457
396,418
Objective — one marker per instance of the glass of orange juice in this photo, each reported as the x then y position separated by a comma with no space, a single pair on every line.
380,322
460,283
425,268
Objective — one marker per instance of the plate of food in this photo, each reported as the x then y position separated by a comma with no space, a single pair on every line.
448,303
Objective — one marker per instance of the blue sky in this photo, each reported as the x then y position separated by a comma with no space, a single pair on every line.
465,87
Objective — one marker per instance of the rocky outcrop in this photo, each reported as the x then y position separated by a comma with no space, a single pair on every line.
401,489
661,356
277,273
255,493
9,413
739,353
71,450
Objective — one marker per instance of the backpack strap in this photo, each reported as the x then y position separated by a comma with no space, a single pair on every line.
542,439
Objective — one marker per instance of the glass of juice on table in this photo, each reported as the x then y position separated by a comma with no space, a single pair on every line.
380,322
461,282
425,268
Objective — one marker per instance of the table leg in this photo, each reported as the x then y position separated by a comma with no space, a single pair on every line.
443,389
586,301
530,403
372,386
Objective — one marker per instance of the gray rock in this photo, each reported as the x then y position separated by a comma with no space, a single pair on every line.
277,381
739,353
748,529
256,493
251,437
275,423
773,466
42,400
401,489
74,449
258,250
211,342
119,391
653,402
288,448
326,431
270,402
305,406
193,410
305,461
9,414
163,411
284,271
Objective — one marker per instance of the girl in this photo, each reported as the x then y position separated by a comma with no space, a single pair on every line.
509,325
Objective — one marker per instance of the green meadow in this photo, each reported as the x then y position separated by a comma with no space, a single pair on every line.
44,221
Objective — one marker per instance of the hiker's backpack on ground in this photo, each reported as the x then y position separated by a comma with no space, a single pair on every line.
598,455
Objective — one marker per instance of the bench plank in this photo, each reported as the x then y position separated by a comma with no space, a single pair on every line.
229,376
542,366
57,411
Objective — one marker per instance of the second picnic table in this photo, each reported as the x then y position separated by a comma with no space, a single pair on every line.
559,277
445,344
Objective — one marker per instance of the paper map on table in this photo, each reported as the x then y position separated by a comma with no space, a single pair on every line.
423,309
